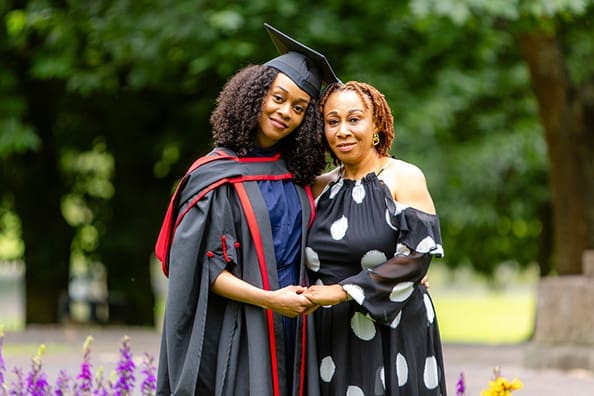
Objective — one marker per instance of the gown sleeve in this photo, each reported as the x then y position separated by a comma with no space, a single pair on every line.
385,289
204,244
206,235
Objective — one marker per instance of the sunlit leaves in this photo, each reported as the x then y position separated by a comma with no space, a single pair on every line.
11,244
227,20
16,137
461,11
15,22
91,171
144,75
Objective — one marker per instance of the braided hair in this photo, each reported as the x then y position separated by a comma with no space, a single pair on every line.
382,114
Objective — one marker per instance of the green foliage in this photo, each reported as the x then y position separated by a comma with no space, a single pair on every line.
11,243
507,201
119,93
483,151
462,11
464,113
15,135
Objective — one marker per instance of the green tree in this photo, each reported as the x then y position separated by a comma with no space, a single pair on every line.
104,104
555,42
140,79
464,112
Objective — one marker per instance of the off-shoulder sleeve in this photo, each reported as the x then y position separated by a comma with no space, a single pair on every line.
383,290
417,230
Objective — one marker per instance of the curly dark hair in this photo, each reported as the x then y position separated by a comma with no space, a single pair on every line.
382,114
235,123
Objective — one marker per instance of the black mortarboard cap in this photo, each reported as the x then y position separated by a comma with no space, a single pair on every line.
305,66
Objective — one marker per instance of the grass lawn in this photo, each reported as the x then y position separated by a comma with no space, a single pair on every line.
487,317
469,309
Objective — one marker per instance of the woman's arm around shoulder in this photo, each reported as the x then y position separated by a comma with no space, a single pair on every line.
408,185
323,180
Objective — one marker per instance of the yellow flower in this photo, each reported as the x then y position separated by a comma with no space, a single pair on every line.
502,387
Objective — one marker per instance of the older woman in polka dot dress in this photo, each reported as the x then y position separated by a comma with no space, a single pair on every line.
369,248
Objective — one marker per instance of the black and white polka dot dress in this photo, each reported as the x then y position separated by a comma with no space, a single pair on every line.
385,339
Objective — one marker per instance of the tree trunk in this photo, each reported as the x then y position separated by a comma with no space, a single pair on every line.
126,253
131,227
38,189
569,140
139,204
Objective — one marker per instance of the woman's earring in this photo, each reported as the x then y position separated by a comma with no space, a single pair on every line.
376,139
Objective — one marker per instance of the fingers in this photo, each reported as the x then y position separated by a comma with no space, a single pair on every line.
312,309
290,301
425,281
294,289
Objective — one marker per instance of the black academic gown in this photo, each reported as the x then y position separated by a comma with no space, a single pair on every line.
211,345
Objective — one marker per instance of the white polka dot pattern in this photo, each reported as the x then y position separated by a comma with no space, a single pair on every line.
327,369
356,293
336,188
312,261
426,245
353,390
401,369
429,308
373,258
438,251
339,228
358,193
402,250
363,326
319,282
401,291
400,207
396,320
430,375
389,220
390,229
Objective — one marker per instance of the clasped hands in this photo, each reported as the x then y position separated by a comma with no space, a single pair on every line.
292,301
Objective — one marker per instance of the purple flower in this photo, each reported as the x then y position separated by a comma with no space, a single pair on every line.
460,387
125,370
18,388
62,384
149,384
37,384
2,363
100,388
85,377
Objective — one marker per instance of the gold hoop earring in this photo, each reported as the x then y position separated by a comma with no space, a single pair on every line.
376,139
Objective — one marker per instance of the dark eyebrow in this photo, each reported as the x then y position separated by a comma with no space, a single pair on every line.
278,86
356,110
300,99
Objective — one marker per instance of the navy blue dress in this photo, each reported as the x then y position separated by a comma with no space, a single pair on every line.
284,210
385,338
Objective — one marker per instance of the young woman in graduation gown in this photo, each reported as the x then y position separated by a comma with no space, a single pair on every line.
233,238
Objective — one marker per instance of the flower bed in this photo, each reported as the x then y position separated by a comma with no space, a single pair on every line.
121,382
499,386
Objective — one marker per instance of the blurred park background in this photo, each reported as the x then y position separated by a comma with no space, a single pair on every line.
104,105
